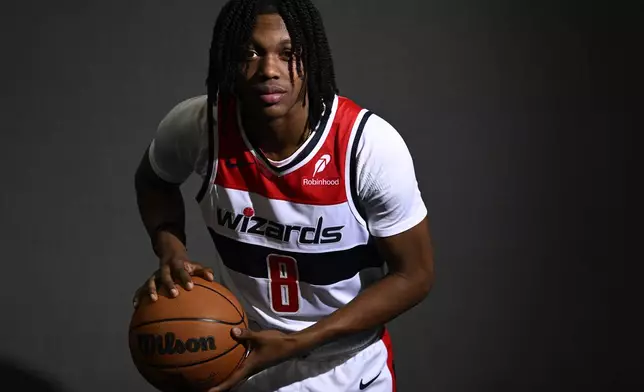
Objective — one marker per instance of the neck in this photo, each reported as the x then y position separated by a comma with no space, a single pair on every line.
278,138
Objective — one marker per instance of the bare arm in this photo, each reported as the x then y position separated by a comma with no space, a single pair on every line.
161,208
397,219
166,164
410,259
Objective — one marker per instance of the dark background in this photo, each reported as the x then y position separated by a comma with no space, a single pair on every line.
514,113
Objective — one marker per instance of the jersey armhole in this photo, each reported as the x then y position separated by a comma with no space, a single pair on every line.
356,136
210,168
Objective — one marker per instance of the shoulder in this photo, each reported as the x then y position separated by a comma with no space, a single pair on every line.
372,132
387,185
189,115
378,142
180,144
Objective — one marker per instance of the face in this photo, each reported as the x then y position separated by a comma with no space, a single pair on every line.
265,85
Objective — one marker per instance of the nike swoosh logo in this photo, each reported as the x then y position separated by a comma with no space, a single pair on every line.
364,386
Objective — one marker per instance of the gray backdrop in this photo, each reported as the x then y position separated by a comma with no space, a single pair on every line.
497,104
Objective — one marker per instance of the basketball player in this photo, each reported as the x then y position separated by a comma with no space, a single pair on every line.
307,196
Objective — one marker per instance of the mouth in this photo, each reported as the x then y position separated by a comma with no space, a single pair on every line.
271,94
271,98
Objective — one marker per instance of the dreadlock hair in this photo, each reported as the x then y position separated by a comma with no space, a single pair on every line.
310,47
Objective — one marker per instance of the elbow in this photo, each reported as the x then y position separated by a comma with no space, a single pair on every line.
423,283
419,283
426,275
417,275
424,279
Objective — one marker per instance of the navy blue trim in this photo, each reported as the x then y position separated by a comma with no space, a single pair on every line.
313,268
353,166
317,136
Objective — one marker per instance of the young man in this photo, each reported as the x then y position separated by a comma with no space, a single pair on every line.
307,197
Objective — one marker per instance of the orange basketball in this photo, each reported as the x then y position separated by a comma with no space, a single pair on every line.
184,343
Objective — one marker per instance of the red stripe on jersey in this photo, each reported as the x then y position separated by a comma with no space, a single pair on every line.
320,181
386,339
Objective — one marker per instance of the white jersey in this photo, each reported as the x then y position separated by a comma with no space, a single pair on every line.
295,237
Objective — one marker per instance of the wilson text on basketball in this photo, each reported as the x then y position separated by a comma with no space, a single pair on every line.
150,344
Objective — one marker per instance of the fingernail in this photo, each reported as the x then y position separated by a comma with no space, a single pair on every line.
154,297
211,276
236,331
190,285
175,292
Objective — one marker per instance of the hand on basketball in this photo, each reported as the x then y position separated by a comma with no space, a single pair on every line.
267,348
174,268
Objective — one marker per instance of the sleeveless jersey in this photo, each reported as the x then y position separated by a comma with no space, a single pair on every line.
292,241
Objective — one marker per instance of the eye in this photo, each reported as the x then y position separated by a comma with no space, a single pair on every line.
287,53
250,54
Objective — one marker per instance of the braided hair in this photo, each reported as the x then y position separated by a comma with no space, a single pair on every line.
310,47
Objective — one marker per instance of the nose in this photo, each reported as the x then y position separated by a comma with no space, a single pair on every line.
269,67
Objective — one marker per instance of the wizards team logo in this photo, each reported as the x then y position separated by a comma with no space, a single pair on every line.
249,223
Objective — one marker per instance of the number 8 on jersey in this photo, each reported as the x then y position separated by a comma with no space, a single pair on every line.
284,287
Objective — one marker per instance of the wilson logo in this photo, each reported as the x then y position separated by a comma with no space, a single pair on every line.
255,225
150,344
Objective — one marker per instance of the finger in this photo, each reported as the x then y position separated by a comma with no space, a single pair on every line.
152,288
205,273
135,299
191,266
242,335
183,276
149,287
166,280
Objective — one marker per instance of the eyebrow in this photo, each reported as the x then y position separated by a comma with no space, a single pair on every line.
284,41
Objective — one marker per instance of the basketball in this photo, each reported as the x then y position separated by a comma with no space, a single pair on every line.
184,343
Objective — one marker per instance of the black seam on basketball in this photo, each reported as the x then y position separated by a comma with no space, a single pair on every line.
195,363
224,297
207,320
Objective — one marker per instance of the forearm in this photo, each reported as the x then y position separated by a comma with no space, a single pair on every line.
162,211
377,305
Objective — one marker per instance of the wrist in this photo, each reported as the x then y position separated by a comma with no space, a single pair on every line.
167,244
308,338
